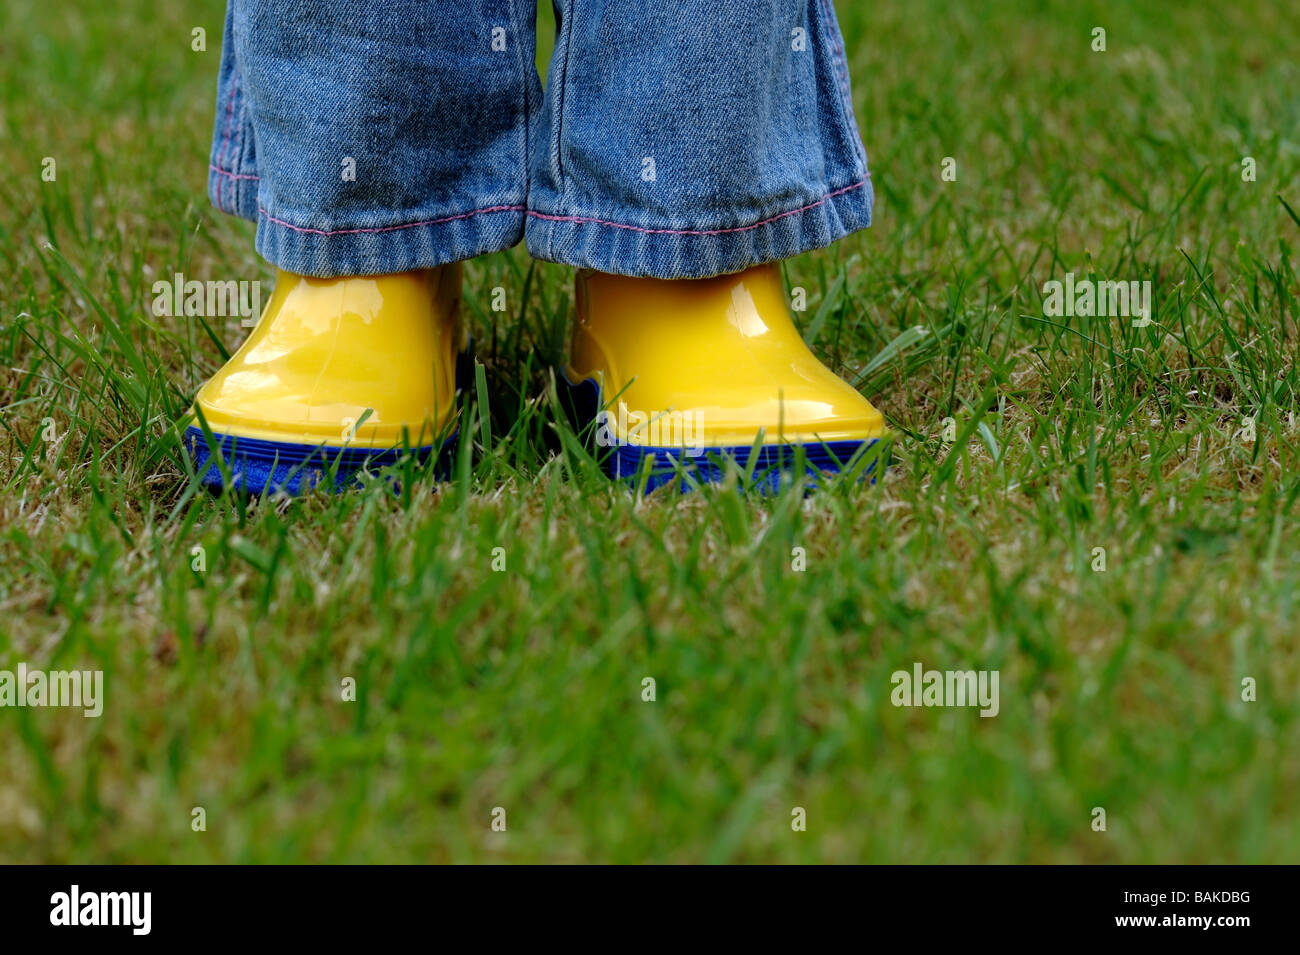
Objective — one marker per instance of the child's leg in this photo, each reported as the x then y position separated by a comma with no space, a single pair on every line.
687,141
365,140
371,138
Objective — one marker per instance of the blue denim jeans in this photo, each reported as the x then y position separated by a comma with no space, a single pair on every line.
674,139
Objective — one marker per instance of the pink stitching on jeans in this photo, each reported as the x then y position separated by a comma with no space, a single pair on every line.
550,218
388,228
743,228
230,112
229,175
841,67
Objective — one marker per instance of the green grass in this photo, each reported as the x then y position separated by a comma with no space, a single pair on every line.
522,689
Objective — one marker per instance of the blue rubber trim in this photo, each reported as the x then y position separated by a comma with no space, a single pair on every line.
773,469
773,466
258,466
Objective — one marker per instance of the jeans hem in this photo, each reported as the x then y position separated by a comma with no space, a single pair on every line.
568,239
233,193
587,241
430,242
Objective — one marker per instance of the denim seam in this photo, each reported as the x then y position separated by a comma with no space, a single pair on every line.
239,142
230,112
225,139
835,50
745,228
554,218
841,67
230,175
524,79
557,125
388,228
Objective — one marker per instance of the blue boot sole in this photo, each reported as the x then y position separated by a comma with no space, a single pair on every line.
773,467
258,466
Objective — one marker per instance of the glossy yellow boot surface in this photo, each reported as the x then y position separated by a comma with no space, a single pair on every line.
328,353
721,354
338,377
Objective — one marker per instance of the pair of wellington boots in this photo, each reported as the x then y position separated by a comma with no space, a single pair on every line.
671,380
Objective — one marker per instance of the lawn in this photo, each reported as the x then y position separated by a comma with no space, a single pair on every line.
1105,514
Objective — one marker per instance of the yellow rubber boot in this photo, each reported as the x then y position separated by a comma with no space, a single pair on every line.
339,375
698,370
